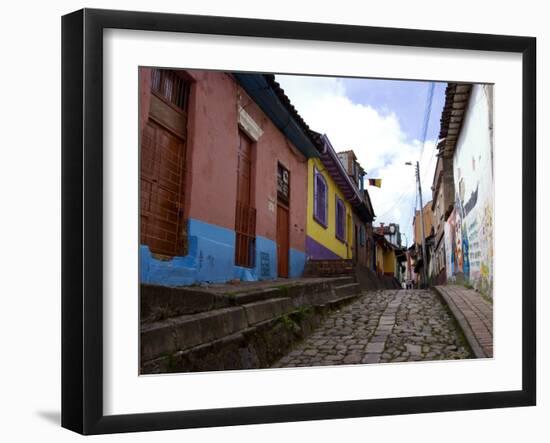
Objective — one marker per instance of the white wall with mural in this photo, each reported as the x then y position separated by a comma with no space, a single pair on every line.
469,228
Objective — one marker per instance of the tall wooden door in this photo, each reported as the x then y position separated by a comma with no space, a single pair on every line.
245,215
162,191
283,241
162,166
283,220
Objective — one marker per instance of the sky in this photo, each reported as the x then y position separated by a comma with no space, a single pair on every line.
382,121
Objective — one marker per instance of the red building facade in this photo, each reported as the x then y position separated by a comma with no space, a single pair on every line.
222,178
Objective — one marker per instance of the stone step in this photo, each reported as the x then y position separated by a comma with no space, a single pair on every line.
160,302
330,260
183,332
173,334
329,273
327,268
347,289
299,292
335,269
267,309
335,265
335,302
344,280
254,296
242,314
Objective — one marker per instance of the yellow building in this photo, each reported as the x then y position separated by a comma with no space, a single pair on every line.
386,260
329,216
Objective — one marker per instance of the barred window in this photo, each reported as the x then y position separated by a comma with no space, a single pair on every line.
170,86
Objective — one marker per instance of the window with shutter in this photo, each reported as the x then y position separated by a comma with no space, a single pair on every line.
340,220
320,199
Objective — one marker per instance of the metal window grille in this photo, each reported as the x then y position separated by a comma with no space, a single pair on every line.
245,250
169,85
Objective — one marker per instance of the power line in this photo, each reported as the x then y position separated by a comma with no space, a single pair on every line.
427,112
425,124
399,199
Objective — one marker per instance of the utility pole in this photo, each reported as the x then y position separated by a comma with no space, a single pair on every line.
425,262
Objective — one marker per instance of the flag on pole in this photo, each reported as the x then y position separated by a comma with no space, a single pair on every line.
375,182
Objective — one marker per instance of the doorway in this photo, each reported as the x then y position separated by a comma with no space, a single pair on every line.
245,215
162,166
283,221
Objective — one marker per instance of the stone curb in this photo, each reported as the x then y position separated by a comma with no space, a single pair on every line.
463,323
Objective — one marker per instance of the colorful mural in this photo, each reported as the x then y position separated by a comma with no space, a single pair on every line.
469,228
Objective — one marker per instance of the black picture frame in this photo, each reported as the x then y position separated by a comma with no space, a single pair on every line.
82,218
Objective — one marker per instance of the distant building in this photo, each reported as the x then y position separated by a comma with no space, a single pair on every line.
443,193
363,214
391,232
428,223
386,258
417,256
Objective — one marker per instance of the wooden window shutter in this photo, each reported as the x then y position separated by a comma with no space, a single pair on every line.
340,219
320,199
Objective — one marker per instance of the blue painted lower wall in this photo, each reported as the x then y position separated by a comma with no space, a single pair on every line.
211,258
297,261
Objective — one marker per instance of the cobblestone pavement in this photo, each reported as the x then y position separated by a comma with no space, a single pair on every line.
382,327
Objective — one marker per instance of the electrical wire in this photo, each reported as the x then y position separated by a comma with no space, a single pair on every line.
398,201
427,113
425,125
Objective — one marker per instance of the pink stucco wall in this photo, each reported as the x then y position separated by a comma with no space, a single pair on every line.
211,184
211,181
271,148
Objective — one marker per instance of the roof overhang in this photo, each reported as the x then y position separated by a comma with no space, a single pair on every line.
336,170
267,95
457,96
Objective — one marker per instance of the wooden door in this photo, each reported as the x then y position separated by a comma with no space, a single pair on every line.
162,165
162,190
283,241
244,169
245,215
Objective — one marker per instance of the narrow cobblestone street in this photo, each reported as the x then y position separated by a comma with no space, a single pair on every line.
382,327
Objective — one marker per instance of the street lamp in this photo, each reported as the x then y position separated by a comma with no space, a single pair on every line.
425,262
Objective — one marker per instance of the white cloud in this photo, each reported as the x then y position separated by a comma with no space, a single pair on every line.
375,136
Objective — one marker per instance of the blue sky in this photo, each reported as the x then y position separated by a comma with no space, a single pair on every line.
382,121
403,97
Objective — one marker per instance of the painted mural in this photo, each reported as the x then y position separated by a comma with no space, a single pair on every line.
449,246
469,228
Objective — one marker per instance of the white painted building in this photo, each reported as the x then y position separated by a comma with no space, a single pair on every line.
469,227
